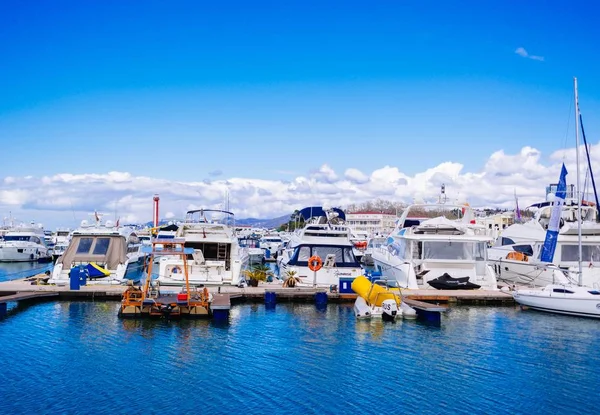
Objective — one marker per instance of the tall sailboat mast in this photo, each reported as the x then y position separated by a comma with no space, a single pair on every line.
579,195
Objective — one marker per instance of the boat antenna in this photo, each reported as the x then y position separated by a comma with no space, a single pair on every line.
580,271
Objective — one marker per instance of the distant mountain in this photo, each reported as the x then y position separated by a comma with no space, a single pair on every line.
264,223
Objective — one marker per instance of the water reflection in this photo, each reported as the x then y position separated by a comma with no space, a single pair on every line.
16,270
297,359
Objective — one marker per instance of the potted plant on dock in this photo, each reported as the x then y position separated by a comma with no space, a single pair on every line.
290,279
257,273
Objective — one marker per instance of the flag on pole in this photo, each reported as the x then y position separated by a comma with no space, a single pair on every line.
117,224
517,211
97,217
554,225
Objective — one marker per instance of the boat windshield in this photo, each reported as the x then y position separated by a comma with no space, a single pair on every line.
343,255
376,243
589,253
453,250
272,240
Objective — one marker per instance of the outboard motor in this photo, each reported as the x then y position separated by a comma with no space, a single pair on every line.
389,310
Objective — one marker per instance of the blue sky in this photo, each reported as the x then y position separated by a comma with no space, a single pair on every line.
273,90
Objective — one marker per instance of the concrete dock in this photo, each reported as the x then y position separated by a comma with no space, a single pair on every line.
257,294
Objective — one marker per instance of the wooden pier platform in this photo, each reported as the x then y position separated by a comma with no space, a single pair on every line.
9,297
257,294
6,298
422,305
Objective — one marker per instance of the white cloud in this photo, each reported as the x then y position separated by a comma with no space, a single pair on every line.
56,200
522,52
356,176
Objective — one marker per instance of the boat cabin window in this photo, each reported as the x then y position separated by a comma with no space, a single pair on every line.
594,292
562,290
23,238
375,243
507,241
589,253
480,251
84,245
524,249
304,253
343,255
101,247
398,247
451,250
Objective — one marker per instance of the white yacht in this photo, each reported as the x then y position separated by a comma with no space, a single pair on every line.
24,244
569,298
516,254
324,235
272,242
251,244
110,254
61,239
447,251
215,257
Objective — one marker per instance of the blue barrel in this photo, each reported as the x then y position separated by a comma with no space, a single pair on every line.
270,299
321,299
77,277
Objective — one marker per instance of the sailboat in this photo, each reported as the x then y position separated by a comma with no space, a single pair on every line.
571,299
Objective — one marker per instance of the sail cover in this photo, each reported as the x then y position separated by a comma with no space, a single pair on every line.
554,226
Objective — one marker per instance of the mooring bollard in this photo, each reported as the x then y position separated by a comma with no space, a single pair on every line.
270,299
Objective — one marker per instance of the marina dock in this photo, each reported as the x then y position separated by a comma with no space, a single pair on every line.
233,294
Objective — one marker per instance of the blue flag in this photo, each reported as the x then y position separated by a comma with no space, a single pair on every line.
554,225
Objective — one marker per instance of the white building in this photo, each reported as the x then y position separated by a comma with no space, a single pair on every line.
371,222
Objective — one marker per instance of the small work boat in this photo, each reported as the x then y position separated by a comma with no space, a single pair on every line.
150,301
378,301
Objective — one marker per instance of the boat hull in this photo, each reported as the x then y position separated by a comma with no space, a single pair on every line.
569,304
23,254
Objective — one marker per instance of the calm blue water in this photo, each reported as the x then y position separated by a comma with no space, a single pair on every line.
80,358
16,270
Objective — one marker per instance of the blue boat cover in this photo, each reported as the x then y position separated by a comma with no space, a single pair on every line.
315,211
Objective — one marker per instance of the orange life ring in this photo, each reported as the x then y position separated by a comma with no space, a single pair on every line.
315,263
